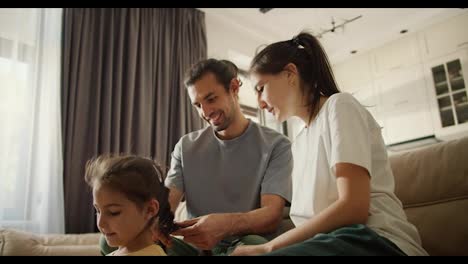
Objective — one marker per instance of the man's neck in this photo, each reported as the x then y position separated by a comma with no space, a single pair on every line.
235,129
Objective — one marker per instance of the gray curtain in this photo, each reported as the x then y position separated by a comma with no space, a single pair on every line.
122,90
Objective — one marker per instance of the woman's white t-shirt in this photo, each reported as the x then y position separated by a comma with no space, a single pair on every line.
344,131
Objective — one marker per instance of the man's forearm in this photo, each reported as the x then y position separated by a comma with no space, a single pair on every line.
260,221
174,198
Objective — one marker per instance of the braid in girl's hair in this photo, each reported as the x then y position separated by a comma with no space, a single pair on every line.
166,217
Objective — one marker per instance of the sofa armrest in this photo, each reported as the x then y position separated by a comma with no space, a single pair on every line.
19,243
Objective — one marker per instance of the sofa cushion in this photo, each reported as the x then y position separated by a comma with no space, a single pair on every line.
432,183
442,231
20,243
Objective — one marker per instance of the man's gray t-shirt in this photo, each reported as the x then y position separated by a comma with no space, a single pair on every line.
225,176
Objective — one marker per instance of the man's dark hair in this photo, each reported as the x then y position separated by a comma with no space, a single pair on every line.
223,70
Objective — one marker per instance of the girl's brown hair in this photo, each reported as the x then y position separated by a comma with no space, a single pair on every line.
139,179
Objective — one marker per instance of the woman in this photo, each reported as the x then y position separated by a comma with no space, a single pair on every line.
343,187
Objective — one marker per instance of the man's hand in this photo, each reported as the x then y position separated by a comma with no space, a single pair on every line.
251,250
206,231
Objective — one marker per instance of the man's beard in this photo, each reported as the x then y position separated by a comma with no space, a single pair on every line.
222,126
228,117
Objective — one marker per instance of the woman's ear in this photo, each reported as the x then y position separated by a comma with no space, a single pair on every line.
291,68
292,73
153,209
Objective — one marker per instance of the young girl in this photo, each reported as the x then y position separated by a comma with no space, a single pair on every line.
343,187
129,196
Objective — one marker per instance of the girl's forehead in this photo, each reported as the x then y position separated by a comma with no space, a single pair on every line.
104,193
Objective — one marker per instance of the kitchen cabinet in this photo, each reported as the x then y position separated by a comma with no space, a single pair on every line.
446,37
447,80
404,105
397,54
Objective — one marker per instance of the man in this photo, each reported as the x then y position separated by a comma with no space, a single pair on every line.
234,174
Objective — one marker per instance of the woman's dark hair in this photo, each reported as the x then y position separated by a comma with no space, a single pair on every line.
139,179
223,70
305,51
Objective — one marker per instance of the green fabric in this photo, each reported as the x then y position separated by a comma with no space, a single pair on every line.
181,248
223,249
354,240
105,248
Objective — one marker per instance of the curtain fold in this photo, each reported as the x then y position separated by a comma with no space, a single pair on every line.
122,90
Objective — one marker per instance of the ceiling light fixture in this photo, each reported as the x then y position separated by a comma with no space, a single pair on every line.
334,27
264,10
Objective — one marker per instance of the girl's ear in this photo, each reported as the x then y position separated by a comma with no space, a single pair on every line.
153,209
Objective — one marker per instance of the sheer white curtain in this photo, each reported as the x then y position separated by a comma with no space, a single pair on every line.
31,184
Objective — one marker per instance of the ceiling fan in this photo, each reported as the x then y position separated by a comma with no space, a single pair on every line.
335,27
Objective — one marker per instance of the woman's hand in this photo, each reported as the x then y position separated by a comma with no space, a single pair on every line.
251,250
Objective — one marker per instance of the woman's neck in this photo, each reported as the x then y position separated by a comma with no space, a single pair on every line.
304,111
143,240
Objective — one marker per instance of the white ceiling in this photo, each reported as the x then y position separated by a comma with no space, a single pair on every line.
376,27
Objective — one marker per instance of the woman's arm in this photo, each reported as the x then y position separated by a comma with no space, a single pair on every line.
351,207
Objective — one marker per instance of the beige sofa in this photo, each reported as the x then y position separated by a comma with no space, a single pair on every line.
20,243
432,183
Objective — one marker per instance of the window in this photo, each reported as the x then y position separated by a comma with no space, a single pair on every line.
16,107
251,113
31,195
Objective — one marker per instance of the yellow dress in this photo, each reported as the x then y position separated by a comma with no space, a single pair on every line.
152,250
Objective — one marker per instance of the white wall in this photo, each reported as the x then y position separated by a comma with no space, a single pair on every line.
392,67
366,74
23,30
396,81
228,40
224,35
